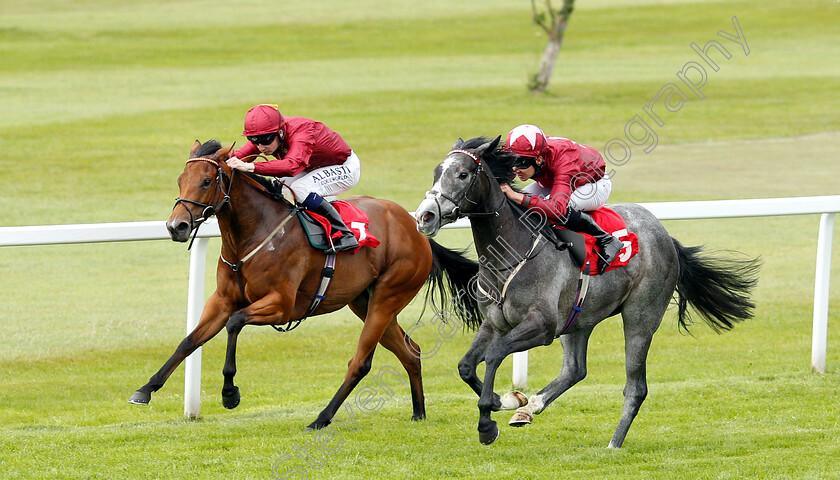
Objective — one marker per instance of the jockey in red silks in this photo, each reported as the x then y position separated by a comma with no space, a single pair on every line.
313,160
569,178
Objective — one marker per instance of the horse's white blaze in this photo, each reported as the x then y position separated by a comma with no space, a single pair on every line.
448,163
433,197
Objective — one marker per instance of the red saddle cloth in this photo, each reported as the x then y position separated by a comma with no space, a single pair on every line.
612,223
355,219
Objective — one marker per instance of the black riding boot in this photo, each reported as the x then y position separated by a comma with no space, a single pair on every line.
347,241
608,245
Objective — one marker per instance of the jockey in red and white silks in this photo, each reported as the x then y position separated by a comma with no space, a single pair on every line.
569,178
570,173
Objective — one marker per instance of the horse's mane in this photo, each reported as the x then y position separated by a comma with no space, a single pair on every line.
499,161
208,148
213,145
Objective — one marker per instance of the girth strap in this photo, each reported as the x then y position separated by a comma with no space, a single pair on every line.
577,306
583,287
326,277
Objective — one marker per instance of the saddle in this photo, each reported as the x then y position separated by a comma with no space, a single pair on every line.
583,249
315,231
318,229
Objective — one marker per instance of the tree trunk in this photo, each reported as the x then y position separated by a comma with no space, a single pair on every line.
549,59
555,33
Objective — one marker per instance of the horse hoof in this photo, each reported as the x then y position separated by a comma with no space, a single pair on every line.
417,418
513,400
231,401
316,425
140,398
489,436
520,419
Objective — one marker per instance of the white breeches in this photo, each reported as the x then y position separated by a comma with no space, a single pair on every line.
326,181
587,197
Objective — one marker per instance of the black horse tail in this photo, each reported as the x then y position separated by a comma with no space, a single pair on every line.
450,278
718,288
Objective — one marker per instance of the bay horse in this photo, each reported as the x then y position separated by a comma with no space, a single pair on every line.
539,288
268,274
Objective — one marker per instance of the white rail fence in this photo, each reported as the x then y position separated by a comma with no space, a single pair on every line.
827,206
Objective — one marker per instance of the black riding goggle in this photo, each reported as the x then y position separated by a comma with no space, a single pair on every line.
524,162
262,139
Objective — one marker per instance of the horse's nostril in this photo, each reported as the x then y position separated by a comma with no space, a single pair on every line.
178,230
427,217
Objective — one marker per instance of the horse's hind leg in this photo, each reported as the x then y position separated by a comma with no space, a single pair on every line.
408,353
357,369
385,301
636,346
642,316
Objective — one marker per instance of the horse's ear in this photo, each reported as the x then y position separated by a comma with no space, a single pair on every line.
496,142
194,148
223,152
458,143
488,147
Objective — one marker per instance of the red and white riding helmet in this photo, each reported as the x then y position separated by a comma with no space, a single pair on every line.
262,119
526,140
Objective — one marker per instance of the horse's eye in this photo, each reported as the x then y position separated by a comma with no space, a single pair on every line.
463,175
206,182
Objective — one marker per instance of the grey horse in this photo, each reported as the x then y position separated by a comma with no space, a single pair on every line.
526,287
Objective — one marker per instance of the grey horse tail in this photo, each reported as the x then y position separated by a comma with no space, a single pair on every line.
718,288
451,276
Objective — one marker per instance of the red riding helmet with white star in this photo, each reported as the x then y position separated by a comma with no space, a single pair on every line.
526,140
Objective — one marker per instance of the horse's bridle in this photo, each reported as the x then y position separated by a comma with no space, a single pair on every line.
209,209
455,214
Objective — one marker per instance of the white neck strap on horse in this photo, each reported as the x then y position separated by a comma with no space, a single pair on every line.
264,242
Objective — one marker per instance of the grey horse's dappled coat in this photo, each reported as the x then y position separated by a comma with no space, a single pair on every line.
535,303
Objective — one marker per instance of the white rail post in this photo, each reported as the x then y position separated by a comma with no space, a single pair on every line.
520,370
195,304
819,338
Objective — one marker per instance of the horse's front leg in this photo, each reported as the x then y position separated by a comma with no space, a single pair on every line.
266,311
475,355
216,311
533,331
485,335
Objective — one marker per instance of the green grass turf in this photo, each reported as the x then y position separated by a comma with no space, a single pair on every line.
101,101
